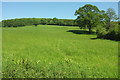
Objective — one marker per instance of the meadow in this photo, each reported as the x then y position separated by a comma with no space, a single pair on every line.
49,51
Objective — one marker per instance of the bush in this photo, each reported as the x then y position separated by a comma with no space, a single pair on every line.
101,31
112,33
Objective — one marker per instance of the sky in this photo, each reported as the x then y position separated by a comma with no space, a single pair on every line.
60,0
61,10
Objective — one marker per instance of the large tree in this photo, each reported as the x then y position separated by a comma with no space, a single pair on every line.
88,16
110,16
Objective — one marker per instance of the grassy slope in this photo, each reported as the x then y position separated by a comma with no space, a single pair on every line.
0,51
51,51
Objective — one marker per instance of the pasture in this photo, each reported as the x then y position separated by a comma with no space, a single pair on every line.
49,51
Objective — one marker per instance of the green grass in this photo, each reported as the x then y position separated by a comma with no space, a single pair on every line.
49,51
0,51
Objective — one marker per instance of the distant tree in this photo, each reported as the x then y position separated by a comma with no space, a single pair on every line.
43,21
88,16
55,20
35,22
110,16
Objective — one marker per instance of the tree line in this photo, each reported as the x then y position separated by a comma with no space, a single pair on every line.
38,21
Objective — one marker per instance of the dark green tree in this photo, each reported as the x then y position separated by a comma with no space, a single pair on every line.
35,22
88,16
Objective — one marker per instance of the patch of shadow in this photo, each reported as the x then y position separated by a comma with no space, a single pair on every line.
80,32
103,39
93,38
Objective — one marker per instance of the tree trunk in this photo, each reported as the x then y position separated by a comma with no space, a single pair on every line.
109,24
90,30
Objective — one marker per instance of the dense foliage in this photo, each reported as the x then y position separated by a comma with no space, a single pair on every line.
89,16
113,33
37,21
110,28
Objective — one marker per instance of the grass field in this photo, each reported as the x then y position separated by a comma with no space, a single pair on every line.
49,51
0,51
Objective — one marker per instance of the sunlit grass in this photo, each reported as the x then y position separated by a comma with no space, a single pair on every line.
0,51
50,51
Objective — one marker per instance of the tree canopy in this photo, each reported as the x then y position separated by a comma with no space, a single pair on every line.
110,16
88,16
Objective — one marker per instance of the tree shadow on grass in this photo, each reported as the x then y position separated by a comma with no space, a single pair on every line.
87,32
103,39
80,32
94,38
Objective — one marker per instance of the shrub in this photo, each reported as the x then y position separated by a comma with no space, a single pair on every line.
112,33
101,31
